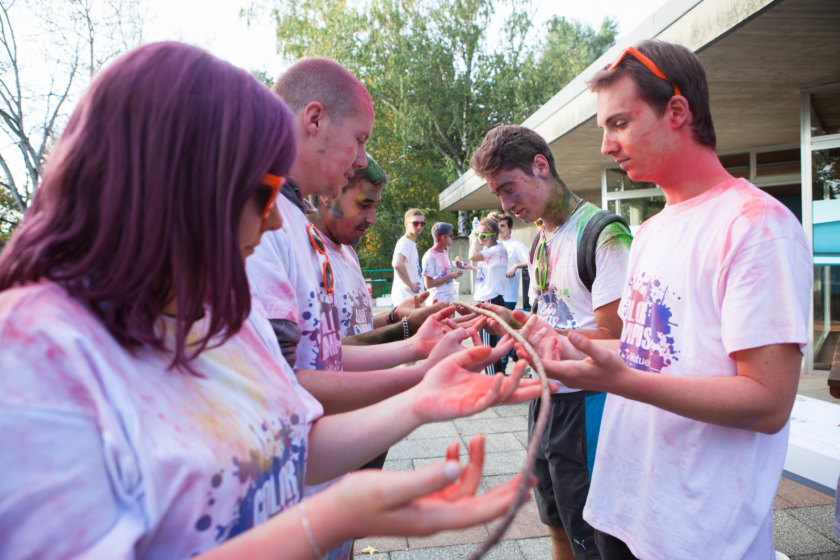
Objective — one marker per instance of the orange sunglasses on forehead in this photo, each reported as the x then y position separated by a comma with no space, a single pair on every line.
276,183
647,62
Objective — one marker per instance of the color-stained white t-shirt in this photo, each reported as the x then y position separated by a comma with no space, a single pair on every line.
490,278
399,291
517,253
436,265
286,258
566,303
355,307
110,454
725,271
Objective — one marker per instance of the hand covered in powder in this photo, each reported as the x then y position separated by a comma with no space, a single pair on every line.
422,502
600,369
451,343
449,390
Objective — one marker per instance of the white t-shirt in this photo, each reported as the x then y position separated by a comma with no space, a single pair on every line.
108,453
566,303
355,307
517,253
286,258
399,291
725,271
436,265
490,278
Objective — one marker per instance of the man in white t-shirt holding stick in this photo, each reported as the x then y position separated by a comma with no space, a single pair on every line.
438,275
406,261
715,309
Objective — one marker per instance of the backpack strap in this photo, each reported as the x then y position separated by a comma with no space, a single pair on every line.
588,244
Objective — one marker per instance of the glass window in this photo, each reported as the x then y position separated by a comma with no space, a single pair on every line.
825,112
777,163
738,165
637,210
618,181
825,172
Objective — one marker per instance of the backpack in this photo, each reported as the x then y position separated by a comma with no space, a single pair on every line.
587,244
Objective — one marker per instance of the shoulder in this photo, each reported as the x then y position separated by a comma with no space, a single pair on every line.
50,340
753,216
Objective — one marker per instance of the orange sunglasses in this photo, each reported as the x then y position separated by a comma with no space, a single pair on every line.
276,183
647,62
326,268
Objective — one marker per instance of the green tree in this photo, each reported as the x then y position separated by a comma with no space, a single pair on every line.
439,84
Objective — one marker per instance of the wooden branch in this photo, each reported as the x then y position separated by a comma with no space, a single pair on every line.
536,434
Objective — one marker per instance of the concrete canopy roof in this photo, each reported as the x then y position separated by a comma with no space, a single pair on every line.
758,54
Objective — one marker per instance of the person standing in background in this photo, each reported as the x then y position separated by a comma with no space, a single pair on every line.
490,278
517,260
438,275
406,261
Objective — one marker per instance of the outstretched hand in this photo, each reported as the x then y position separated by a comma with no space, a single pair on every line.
449,390
417,317
425,501
454,334
600,370
538,333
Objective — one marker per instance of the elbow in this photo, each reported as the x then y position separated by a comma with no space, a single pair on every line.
774,424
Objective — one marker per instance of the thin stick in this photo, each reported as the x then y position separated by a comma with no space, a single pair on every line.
536,434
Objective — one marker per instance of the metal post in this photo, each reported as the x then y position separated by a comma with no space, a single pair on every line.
807,212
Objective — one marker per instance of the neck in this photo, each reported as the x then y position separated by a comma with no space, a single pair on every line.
410,236
559,208
504,237
697,170
318,221
439,246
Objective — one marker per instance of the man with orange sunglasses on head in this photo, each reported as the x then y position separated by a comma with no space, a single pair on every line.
715,310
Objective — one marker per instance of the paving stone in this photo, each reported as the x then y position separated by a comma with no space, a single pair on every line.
818,518
422,448
507,462
504,410
400,465
436,430
469,535
794,538
525,525
801,496
491,425
498,442
489,413
535,549
489,482
420,463
781,503
382,544
522,437
506,550
823,556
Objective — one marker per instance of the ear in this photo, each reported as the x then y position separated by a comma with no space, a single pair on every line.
314,116
678,112
541,168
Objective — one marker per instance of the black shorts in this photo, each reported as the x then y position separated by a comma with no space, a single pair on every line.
564,465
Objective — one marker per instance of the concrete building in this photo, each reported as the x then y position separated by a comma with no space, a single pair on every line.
774,77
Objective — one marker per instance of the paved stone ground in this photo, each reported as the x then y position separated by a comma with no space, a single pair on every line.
803,518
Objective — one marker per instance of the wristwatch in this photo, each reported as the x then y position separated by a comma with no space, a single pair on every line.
392,318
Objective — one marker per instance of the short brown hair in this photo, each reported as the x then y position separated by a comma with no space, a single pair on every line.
682,67
325,81
511,147
490,223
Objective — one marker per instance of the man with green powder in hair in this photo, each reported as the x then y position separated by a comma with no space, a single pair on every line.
519,168
343,222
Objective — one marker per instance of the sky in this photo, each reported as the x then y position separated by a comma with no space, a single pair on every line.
216,26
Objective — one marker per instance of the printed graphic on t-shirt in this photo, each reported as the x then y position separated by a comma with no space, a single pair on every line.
324,335
356,310
273,484
553,309
647,340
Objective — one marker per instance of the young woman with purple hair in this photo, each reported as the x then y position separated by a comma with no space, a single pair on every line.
145,408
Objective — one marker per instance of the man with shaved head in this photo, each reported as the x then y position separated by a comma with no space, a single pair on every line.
290,272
